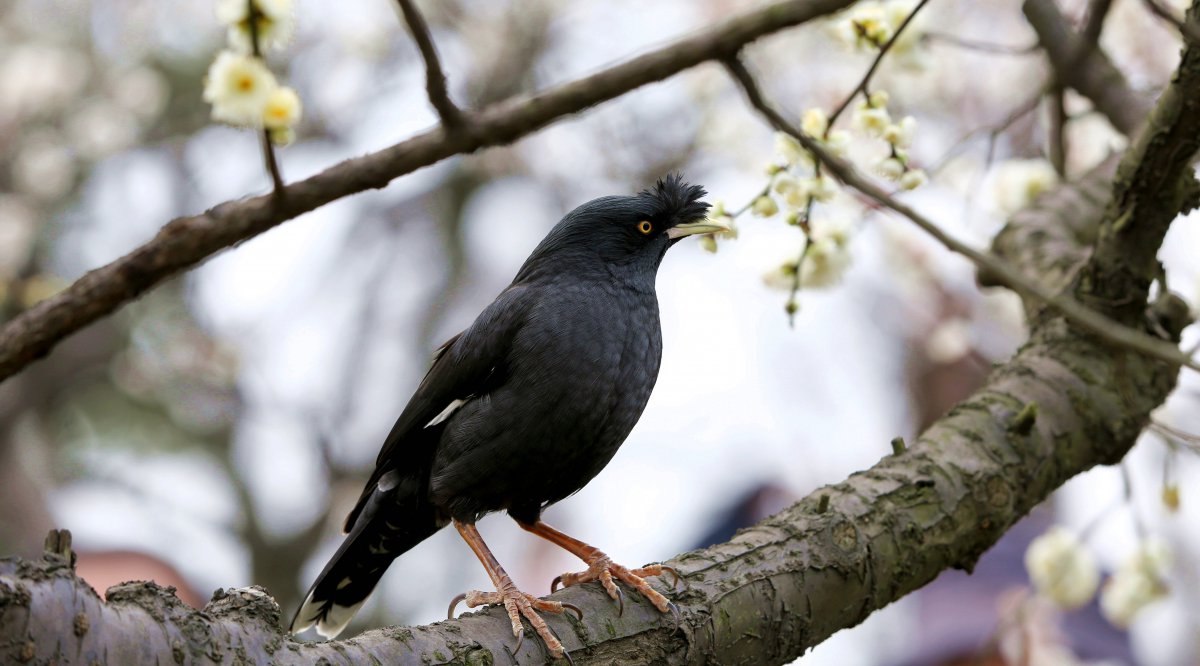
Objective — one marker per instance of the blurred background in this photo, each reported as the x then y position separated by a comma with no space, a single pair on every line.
215,433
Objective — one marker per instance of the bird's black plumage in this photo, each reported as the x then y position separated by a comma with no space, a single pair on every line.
527,404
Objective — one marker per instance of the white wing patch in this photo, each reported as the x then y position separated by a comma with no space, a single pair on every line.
450,409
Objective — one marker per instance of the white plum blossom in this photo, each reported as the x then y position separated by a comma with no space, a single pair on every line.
1137,583
891,168
790,150
865,28
871,120
815,122
913,178
238,87
824,264
281,113
838,142
275,24
901,134
821,188
1061,569
764,206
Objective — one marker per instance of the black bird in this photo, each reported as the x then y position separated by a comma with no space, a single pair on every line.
523,408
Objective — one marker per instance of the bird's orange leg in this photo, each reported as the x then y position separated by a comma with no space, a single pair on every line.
602,568
516,602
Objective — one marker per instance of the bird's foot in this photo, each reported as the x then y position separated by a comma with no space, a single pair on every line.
519,604
603,569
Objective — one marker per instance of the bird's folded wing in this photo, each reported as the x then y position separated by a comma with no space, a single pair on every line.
470,364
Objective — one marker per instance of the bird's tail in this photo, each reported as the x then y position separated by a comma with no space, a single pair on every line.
387,523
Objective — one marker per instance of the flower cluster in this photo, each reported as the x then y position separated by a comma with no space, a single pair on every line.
870,25
822,262
242,90
1138,582
872,118
1064,572
718,214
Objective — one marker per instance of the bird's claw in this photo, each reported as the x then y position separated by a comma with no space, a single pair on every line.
572,607
454,602
605,570
675,577
519,604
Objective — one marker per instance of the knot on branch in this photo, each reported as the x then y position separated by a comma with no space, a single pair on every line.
244,603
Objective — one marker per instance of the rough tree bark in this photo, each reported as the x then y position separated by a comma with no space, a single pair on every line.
1063,404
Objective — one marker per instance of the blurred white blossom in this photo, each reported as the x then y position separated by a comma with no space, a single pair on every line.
275,24
17,225
764,206
100,128
913,178
39,78
790,150
1061,569
949,341
824,264
238,87
865,27
1138,582
142,91
901,134
815,122
1016,183
44,167
890,167
871,120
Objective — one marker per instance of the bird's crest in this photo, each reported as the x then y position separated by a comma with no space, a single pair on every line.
673,198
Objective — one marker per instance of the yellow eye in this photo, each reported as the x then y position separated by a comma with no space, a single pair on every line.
645,227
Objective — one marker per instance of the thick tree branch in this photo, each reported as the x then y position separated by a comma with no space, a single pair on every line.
1084,66
1155,183
435,79
186,241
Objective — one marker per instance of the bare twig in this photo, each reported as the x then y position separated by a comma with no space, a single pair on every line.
1094,23
435,79
1102,327
1187,30
866,79
186,241
1057,138
978,45
993,131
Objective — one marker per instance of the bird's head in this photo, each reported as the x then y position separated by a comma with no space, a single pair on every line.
625,233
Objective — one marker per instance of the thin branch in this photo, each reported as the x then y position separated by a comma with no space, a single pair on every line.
993,131
978,45
435,79
268,149
1094,23
186,241
1057,138
1101,326
866,79
1187,30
